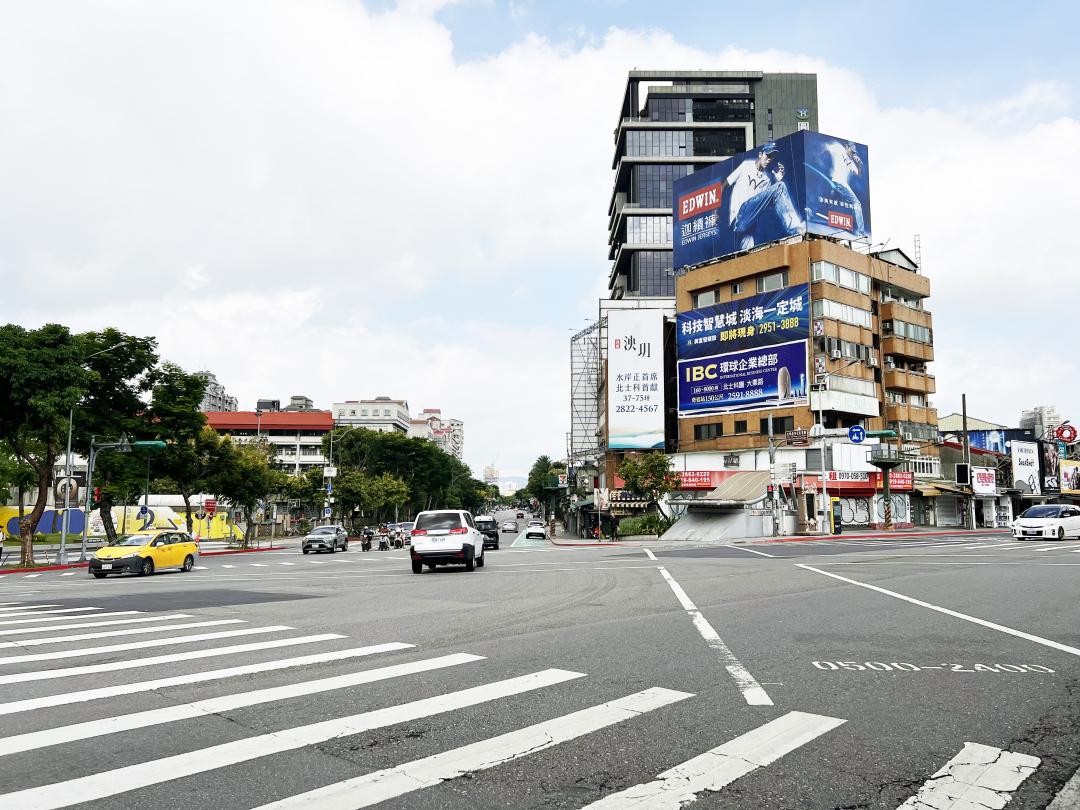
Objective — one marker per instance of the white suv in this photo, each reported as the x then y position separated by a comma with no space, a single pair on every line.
446,537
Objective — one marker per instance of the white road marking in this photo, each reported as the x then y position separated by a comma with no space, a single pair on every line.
135,663
68,574
161,628
719,767
9,610
257,565
139,645
200,568
750,688
379,786
228,566
649,554
54,627
201,708
68,610
956,614
153,772
30,576
752,551
29,704
979,776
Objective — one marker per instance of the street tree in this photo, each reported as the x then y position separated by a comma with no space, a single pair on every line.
174,416
242,475
649,475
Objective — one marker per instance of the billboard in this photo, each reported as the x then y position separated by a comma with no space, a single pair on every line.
1049,462
747,380
1025,467
984,481
1069,477
635,352
996,441
774,317
805,183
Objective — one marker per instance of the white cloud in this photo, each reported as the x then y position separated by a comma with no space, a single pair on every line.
314,198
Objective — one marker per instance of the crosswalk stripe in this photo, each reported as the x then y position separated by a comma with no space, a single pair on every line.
112,622
82,696
257,565
135,631
63,618
132,777
390,783
68,574
979,776
139,645
286,563
228,566
7,610
201,708
135,663
43,613
4,605
31,576
719,767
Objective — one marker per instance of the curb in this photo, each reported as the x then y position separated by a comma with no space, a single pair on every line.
883,536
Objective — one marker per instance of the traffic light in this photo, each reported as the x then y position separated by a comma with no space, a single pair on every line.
770,490
95,500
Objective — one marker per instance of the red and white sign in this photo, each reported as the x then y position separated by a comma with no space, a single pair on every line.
1067,433
210,505
701,200
983,481
897,480
841,476
695,479
841,220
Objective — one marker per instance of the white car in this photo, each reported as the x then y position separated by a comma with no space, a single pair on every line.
509,526
536,529
446,537
1050,521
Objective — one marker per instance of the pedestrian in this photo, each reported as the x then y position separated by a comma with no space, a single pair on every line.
615,532
596,532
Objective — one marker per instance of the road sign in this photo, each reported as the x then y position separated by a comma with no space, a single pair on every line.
326,512
200,515
856,434
329,472
329,487
210,505
142,512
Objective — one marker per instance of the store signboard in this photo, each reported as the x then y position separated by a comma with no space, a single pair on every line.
983,481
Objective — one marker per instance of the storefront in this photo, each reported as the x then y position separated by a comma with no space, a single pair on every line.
861,496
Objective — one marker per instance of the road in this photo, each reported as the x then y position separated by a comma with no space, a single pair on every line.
832,674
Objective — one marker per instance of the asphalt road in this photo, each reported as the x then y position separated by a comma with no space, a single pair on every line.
835,674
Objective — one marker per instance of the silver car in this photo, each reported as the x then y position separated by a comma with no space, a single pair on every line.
325,538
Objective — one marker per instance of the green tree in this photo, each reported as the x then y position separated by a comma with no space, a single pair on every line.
242,475
174,416
47,372
649,475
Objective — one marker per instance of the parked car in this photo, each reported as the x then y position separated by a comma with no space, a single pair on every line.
536,529
490,529
1051,520
509,526
446,537
325,538
144,553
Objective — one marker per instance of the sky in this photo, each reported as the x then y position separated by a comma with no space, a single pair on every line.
345,199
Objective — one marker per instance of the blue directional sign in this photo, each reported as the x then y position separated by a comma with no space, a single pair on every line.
327,512
857,434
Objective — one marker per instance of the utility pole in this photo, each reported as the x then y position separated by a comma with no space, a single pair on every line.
969,520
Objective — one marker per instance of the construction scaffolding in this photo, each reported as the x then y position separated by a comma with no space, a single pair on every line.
585,371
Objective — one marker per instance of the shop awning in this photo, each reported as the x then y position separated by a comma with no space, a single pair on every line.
927,490
584,503
738,490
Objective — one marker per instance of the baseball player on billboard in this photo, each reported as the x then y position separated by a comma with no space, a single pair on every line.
757,192
846,164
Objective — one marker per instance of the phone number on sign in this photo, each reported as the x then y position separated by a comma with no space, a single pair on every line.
636,408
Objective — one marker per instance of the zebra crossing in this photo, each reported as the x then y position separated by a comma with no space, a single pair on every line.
27,727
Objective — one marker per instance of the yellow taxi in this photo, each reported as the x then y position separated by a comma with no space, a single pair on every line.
144,553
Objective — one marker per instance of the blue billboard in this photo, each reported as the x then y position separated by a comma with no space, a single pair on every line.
746,380
780,316
805,183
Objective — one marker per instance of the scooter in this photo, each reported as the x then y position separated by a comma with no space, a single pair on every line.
384,543
398,542
365,543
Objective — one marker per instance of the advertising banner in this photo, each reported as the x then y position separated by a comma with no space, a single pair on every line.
805,183
744,380
780,316
635,350
694,479
1025,467
1049,462
996,441
983,481
1069,477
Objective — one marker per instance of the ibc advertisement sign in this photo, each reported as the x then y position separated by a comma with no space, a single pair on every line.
635,350
744,355
805,183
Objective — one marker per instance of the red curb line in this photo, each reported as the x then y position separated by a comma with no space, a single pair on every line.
587,545
809,538
41,568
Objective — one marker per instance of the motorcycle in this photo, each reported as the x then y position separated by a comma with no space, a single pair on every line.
384,542
399,542
365,543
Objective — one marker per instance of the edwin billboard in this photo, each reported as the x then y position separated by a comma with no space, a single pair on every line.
805,183
635,350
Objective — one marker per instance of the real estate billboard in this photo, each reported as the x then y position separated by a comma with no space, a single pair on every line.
805,183
780,316
1025,467
635,352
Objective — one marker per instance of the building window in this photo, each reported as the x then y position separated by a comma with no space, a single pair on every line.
705,298
851,279
780,424
740,426
650,273
911,331
773,281
711,431
652,185
827,308
363,413
736,288
352,412
648,230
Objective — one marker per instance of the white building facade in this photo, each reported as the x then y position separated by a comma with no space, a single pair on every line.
383,414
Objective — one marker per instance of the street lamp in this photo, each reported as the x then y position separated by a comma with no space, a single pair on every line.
821,421
67,466
122,446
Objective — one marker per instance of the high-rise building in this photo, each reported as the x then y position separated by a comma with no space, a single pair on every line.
382,414
672,123
448,434
215,398
1040,419
491,474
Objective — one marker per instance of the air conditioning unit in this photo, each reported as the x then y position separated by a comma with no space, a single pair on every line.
890,362
908,436
872,361
835,354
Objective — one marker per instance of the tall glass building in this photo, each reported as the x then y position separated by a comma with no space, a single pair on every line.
672,123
